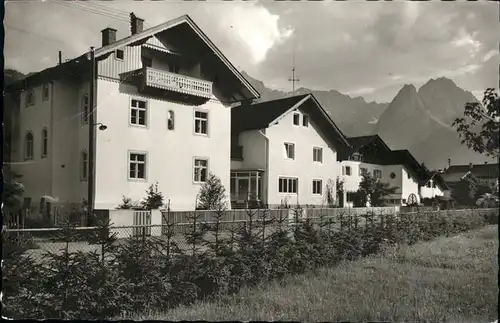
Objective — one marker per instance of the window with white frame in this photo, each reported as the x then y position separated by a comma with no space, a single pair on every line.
138,112
362,171
45,142
201,122
289,150
296,119
200,170
137,165
85,108
346,170
377,173
288,185
84,165
45,92
317,186
318,154
305,121
29,145
30,98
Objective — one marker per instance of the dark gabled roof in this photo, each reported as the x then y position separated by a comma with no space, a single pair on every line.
261,115
479,170
438,179
133,40
455,177
404,157
385,155
357,143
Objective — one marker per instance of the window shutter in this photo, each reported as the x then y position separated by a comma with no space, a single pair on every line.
343,170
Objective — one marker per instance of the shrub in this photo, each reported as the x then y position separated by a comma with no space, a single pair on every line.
149,273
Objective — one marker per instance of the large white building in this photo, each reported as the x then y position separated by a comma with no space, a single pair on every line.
159,112
284,152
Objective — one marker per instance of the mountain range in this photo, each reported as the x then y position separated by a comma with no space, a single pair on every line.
417,120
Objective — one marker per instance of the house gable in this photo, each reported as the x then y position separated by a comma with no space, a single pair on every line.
266,114
177,31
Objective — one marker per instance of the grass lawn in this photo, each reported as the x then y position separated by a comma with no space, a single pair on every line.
447,280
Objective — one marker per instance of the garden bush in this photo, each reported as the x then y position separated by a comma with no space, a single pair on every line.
147,273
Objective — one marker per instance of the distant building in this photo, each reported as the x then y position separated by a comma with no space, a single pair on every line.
485,174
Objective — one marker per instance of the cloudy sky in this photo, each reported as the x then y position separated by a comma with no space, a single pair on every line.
359,48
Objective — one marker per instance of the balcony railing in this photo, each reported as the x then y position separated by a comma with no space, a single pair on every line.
177,83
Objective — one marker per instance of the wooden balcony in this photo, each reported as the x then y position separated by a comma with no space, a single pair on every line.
172,86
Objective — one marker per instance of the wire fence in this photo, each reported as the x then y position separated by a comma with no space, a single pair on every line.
176,228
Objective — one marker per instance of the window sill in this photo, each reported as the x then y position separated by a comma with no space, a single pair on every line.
137,179
138,125
201,134
28,158
43,156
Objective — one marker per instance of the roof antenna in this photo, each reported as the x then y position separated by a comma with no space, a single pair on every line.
293,79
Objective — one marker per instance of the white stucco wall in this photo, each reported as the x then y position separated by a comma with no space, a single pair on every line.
254,150
409,186
430,192
303,167
170,153
35,172
57,174
405,186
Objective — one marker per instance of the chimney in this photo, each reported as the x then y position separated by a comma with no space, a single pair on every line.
108,36
449,162
136,24
470,165
60,57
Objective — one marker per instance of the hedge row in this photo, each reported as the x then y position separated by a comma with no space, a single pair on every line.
150,273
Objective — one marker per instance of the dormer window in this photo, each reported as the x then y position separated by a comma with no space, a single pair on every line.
355,157
30,98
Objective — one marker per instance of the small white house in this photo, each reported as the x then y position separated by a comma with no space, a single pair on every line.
284,152
369,154
160,112
434,187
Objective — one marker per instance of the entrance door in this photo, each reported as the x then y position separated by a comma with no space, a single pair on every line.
242,189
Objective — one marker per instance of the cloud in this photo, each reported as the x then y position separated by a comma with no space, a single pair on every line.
366,48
